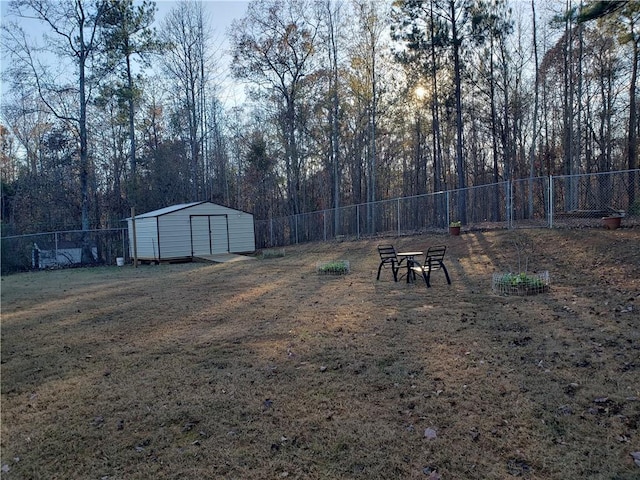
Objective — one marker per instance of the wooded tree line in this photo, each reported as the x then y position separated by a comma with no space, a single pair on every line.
346,102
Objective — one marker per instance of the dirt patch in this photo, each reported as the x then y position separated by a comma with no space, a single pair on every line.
266,369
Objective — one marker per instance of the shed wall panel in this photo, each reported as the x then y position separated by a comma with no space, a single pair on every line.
175,234
241,233
147,236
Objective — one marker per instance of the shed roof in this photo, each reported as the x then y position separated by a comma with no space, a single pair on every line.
175,208
165,210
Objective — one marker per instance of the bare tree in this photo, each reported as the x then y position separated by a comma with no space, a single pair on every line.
365,77
186,36
333,15
72,36
273,48
622,19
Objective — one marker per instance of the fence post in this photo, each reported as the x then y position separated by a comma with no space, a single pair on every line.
135,237
507,208
506,203
510,190
324,217
296,219
398,208
448,209
550,187
358,222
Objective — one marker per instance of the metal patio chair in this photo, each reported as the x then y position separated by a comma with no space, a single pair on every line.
434,260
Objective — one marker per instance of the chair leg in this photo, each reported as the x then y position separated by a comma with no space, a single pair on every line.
379,268
446,273
425,277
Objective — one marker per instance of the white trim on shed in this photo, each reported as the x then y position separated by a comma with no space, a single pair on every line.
192,229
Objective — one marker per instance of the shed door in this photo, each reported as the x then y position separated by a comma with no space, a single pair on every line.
209,234
219,234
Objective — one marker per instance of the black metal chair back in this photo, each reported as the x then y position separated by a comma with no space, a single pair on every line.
433,260
388,258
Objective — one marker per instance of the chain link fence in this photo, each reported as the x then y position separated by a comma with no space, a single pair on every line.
557,201
63,249
560,201
582,200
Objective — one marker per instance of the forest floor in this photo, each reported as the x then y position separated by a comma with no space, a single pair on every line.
266,369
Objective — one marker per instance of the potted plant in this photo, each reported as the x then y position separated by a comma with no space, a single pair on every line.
454,228
612,222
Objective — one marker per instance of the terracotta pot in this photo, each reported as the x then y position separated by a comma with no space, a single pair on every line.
454,231
611,223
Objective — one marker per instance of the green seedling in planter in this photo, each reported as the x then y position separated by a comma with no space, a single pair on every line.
520,280
455,224
335,268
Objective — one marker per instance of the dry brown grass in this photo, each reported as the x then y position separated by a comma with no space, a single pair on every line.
265,369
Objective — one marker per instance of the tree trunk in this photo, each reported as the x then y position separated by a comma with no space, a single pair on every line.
568,113
86,256
462,202
437,135
334,122
494,136
632,142
536,94
372,151
132,132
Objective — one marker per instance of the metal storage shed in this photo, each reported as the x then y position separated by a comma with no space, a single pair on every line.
185,231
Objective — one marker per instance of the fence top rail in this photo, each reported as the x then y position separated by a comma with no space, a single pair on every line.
635,170
9,237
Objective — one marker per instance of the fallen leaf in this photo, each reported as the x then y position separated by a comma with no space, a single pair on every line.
432,472
517,467
430,433
565,410
636,458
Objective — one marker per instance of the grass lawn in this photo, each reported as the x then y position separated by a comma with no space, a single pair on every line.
267,369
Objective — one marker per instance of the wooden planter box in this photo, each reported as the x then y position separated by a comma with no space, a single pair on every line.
455,231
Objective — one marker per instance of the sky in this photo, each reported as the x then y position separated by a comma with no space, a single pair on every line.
221,14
